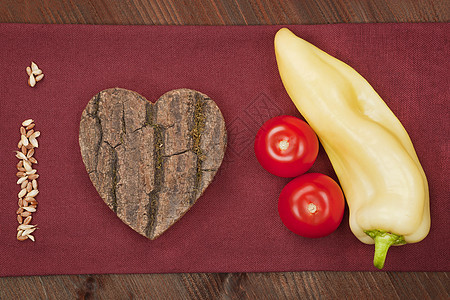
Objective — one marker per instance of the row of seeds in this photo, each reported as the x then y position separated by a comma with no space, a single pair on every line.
28,176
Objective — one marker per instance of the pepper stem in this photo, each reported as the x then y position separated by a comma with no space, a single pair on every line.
383,240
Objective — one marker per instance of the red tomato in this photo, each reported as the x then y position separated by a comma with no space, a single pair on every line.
311,205
286,146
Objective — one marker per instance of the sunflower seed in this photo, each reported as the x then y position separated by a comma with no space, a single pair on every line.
34,184
31,237
20,202
29,209
29,199
31,126
19,233
19,219
19,144
27,122
22,193
23,131
22,169
27,166
31,81
37,72
24,184
22,238
29,146
24,203
30,153
39,77
28,69
36,134
34,141
31,172
19,164
19,211
20,155
22,180
27,220
33,160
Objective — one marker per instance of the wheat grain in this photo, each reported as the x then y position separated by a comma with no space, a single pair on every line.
29,209
33,193
27,220
29,132
24,184
39,77
27,175
21,180
22,193
27,122
20,155
33,141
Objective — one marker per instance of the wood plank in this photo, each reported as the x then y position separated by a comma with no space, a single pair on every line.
288,285
222,12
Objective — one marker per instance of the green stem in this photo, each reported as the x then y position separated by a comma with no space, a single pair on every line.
383,240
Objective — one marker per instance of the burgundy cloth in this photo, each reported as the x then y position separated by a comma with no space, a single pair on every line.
234,226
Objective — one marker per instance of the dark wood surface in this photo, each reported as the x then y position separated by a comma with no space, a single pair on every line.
289,285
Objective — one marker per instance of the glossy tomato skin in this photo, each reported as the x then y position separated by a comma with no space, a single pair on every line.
286,146
311,205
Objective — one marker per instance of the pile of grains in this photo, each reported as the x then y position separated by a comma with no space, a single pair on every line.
27,180
34,74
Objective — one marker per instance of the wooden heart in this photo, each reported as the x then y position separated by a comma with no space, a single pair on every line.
150,162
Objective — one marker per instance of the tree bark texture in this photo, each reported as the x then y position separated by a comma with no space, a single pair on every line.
150,162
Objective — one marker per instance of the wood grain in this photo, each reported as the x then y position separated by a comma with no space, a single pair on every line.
132,149
222,12
292,285
289,285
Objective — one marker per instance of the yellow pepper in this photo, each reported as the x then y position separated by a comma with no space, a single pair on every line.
371,152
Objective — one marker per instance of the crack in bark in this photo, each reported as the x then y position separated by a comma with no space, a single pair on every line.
158,150
94,115
114,167
197,130
124,130
177,153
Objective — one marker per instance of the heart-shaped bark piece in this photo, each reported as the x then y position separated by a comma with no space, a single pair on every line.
150,162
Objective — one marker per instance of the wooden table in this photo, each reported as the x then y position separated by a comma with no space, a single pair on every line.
289,285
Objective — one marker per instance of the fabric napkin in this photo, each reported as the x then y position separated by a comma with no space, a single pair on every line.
234,226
